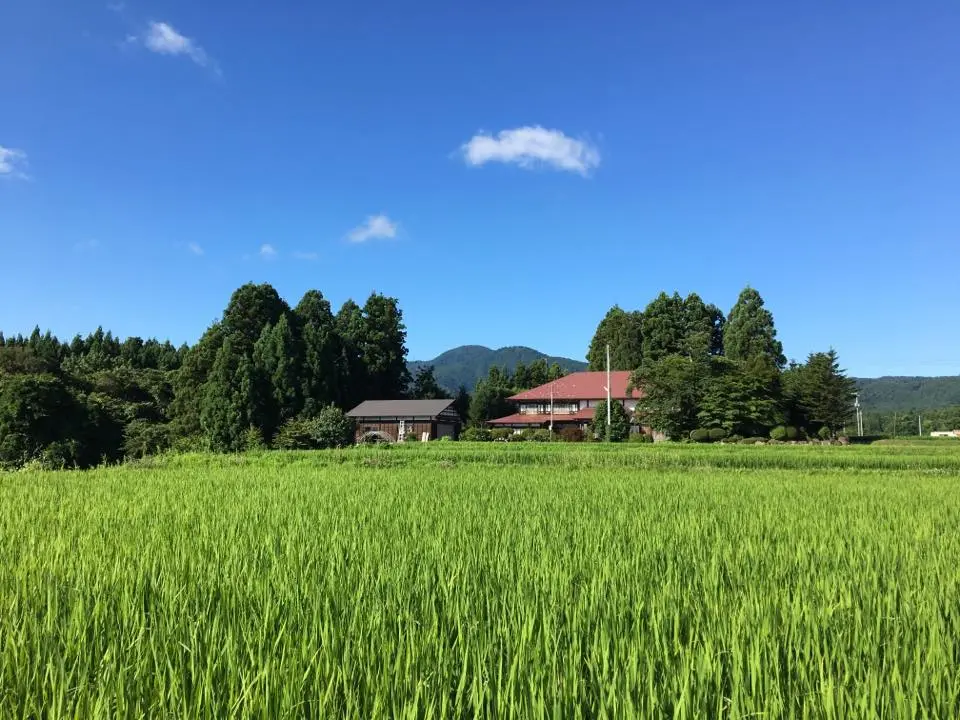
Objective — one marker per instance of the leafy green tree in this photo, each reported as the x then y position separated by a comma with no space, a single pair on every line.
322,370
277,361
673,325
672,390
703,327
555,373
425,385
623,331
522,377
35,411
489,400
229,401
383,348
619,428
750,333
741,398
538,373
819,393
330,428
350,328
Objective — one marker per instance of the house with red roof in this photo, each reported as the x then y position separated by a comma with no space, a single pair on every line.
570,400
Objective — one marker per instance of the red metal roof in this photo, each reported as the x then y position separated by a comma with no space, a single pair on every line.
585,415
582,386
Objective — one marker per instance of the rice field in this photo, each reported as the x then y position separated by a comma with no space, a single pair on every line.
507,581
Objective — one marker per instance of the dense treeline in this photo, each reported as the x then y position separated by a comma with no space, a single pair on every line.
910,422
701,370
489,398
265,373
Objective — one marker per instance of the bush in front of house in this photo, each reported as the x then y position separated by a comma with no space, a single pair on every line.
476,434
571,433
640,438
330,428
542,435
619,429
700,435
717,434
501,434
825,433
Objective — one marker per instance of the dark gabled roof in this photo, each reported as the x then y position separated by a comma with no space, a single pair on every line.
400,408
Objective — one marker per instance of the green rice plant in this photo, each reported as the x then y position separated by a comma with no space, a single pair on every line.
488,580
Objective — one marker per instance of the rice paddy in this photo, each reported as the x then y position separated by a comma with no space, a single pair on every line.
508,581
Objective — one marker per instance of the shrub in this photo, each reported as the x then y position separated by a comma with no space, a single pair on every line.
700,435
753,441
542,436
717,434
824,433
571,433
253,440
793,433
59,455
733,438
619,422
476,434
640,438
501,434
779,433
329,429
516,436
142,438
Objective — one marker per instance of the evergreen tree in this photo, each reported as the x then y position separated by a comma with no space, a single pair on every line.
383,348
819,393
425,385
322,353
619,429
664,327
489,400
522,377
624,333
251,308
461,403
750,332
229,399
351,367
189,381
277,361
538,373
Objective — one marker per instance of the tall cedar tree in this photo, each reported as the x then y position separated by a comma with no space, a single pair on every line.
383,349
322,353
461,403
489,400
251,308
352,369
742,398
425,386
277,361
229,399
750,333
188,384
676,326
623,331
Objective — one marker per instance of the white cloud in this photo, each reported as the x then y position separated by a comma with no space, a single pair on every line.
267,251
163,38
529,147
311,256
195,248
13,162
376,227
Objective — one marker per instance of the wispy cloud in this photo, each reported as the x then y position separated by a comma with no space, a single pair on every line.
376,227
531,147
310,256
195,248
164,39
13,163
267,251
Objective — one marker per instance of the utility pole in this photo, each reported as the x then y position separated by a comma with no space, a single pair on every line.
608,391
920,425
551,410
894,424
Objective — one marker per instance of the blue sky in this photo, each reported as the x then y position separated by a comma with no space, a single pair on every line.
507,170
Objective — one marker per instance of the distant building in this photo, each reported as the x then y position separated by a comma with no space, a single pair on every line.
947,434
569,401
397,420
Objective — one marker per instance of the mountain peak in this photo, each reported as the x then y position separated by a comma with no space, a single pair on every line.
466,364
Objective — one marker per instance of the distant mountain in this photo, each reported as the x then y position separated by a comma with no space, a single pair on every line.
468,363
887,394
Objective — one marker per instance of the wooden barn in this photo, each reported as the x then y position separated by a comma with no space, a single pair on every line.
398,420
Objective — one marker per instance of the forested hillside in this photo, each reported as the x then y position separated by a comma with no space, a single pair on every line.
888,394
467,364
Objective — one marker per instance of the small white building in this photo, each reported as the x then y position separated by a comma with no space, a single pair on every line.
947,434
